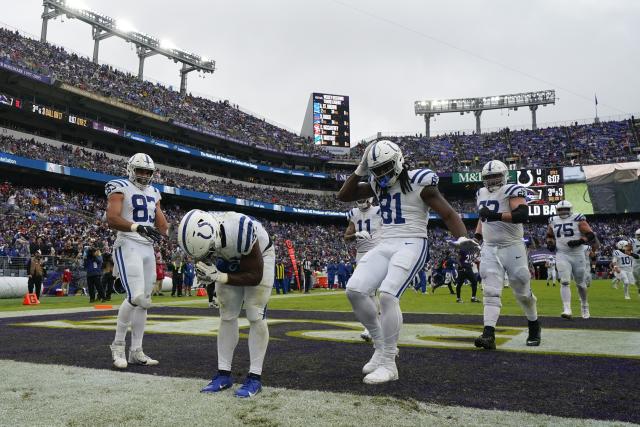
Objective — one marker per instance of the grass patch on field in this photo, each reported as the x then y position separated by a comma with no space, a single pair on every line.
604,301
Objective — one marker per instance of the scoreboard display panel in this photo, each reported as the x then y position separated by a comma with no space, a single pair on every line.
546,186
331,120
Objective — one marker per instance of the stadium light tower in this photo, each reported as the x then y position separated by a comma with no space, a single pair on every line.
533,100
103,27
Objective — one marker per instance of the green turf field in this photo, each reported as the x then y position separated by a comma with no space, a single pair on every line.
604,301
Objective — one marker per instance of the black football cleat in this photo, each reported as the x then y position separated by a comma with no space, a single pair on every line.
533,340
487,340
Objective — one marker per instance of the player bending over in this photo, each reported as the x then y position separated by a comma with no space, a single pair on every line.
567,232
405,197
133,209
503,209
235,252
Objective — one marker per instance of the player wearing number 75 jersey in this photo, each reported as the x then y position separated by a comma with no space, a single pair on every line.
405,197
133,210
568,232
502,210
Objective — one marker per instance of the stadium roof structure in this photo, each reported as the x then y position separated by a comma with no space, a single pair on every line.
104,27
533,100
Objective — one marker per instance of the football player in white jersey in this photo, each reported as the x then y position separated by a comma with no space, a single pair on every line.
589,252
551,270
635,247
364,223
234,251
502,210
405,197
567,232
133,210
623,261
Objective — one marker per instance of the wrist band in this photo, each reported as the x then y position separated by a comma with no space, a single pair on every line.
134,227
222,278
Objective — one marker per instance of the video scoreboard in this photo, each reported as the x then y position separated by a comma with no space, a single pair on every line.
327,120
546,187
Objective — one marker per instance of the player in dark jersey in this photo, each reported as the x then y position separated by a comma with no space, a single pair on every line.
465,272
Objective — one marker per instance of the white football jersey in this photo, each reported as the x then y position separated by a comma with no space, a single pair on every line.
239,233
565,229
635,244
551,260
500,233
369,221
622,260
406,215
138,206
587,257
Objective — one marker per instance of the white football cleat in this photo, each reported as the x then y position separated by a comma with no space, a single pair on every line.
365,336
137,357
118,356
373,363
627,297
566,314
384,373
585,312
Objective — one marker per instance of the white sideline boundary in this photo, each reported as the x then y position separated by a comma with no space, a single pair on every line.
54,395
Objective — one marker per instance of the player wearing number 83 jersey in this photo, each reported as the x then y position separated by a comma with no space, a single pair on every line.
405,197
133,210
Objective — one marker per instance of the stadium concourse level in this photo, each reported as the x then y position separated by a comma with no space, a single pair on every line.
61,224
605,142
75,156
220,116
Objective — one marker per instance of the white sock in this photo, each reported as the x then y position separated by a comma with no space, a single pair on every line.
492,307
366,312
582,291
258,342
138,321
124,319
529,306
626,289
228,337
391,321
565,295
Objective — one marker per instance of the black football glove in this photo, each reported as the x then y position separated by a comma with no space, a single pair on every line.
150,233
487,215
575,243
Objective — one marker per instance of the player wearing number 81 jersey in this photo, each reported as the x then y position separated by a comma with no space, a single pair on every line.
568,232
405,197
133,209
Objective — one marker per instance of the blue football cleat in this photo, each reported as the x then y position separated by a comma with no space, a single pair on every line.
250,388
218,383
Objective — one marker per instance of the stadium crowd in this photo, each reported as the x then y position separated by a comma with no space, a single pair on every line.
219,117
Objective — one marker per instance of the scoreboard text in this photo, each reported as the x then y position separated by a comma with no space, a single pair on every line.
331,120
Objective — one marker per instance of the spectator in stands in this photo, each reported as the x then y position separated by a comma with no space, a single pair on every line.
157,289
93,267
36,274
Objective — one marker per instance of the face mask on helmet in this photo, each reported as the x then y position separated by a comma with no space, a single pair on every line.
494,181
564,212
363,204
143,176
385,174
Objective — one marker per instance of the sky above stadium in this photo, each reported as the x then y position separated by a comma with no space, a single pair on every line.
385,55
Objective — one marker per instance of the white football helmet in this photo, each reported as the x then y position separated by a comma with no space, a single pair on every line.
494,175
638,233
622,244
364,204
385,162
564,209
144,162
199,234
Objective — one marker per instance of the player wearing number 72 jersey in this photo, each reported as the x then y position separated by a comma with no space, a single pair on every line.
405,197
133,210
502,210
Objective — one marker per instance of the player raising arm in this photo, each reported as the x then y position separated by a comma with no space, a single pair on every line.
133,210
405,197
502,210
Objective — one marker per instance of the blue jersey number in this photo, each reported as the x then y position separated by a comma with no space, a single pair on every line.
140,210
564,230
492,205
625,260
391,209
367,224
